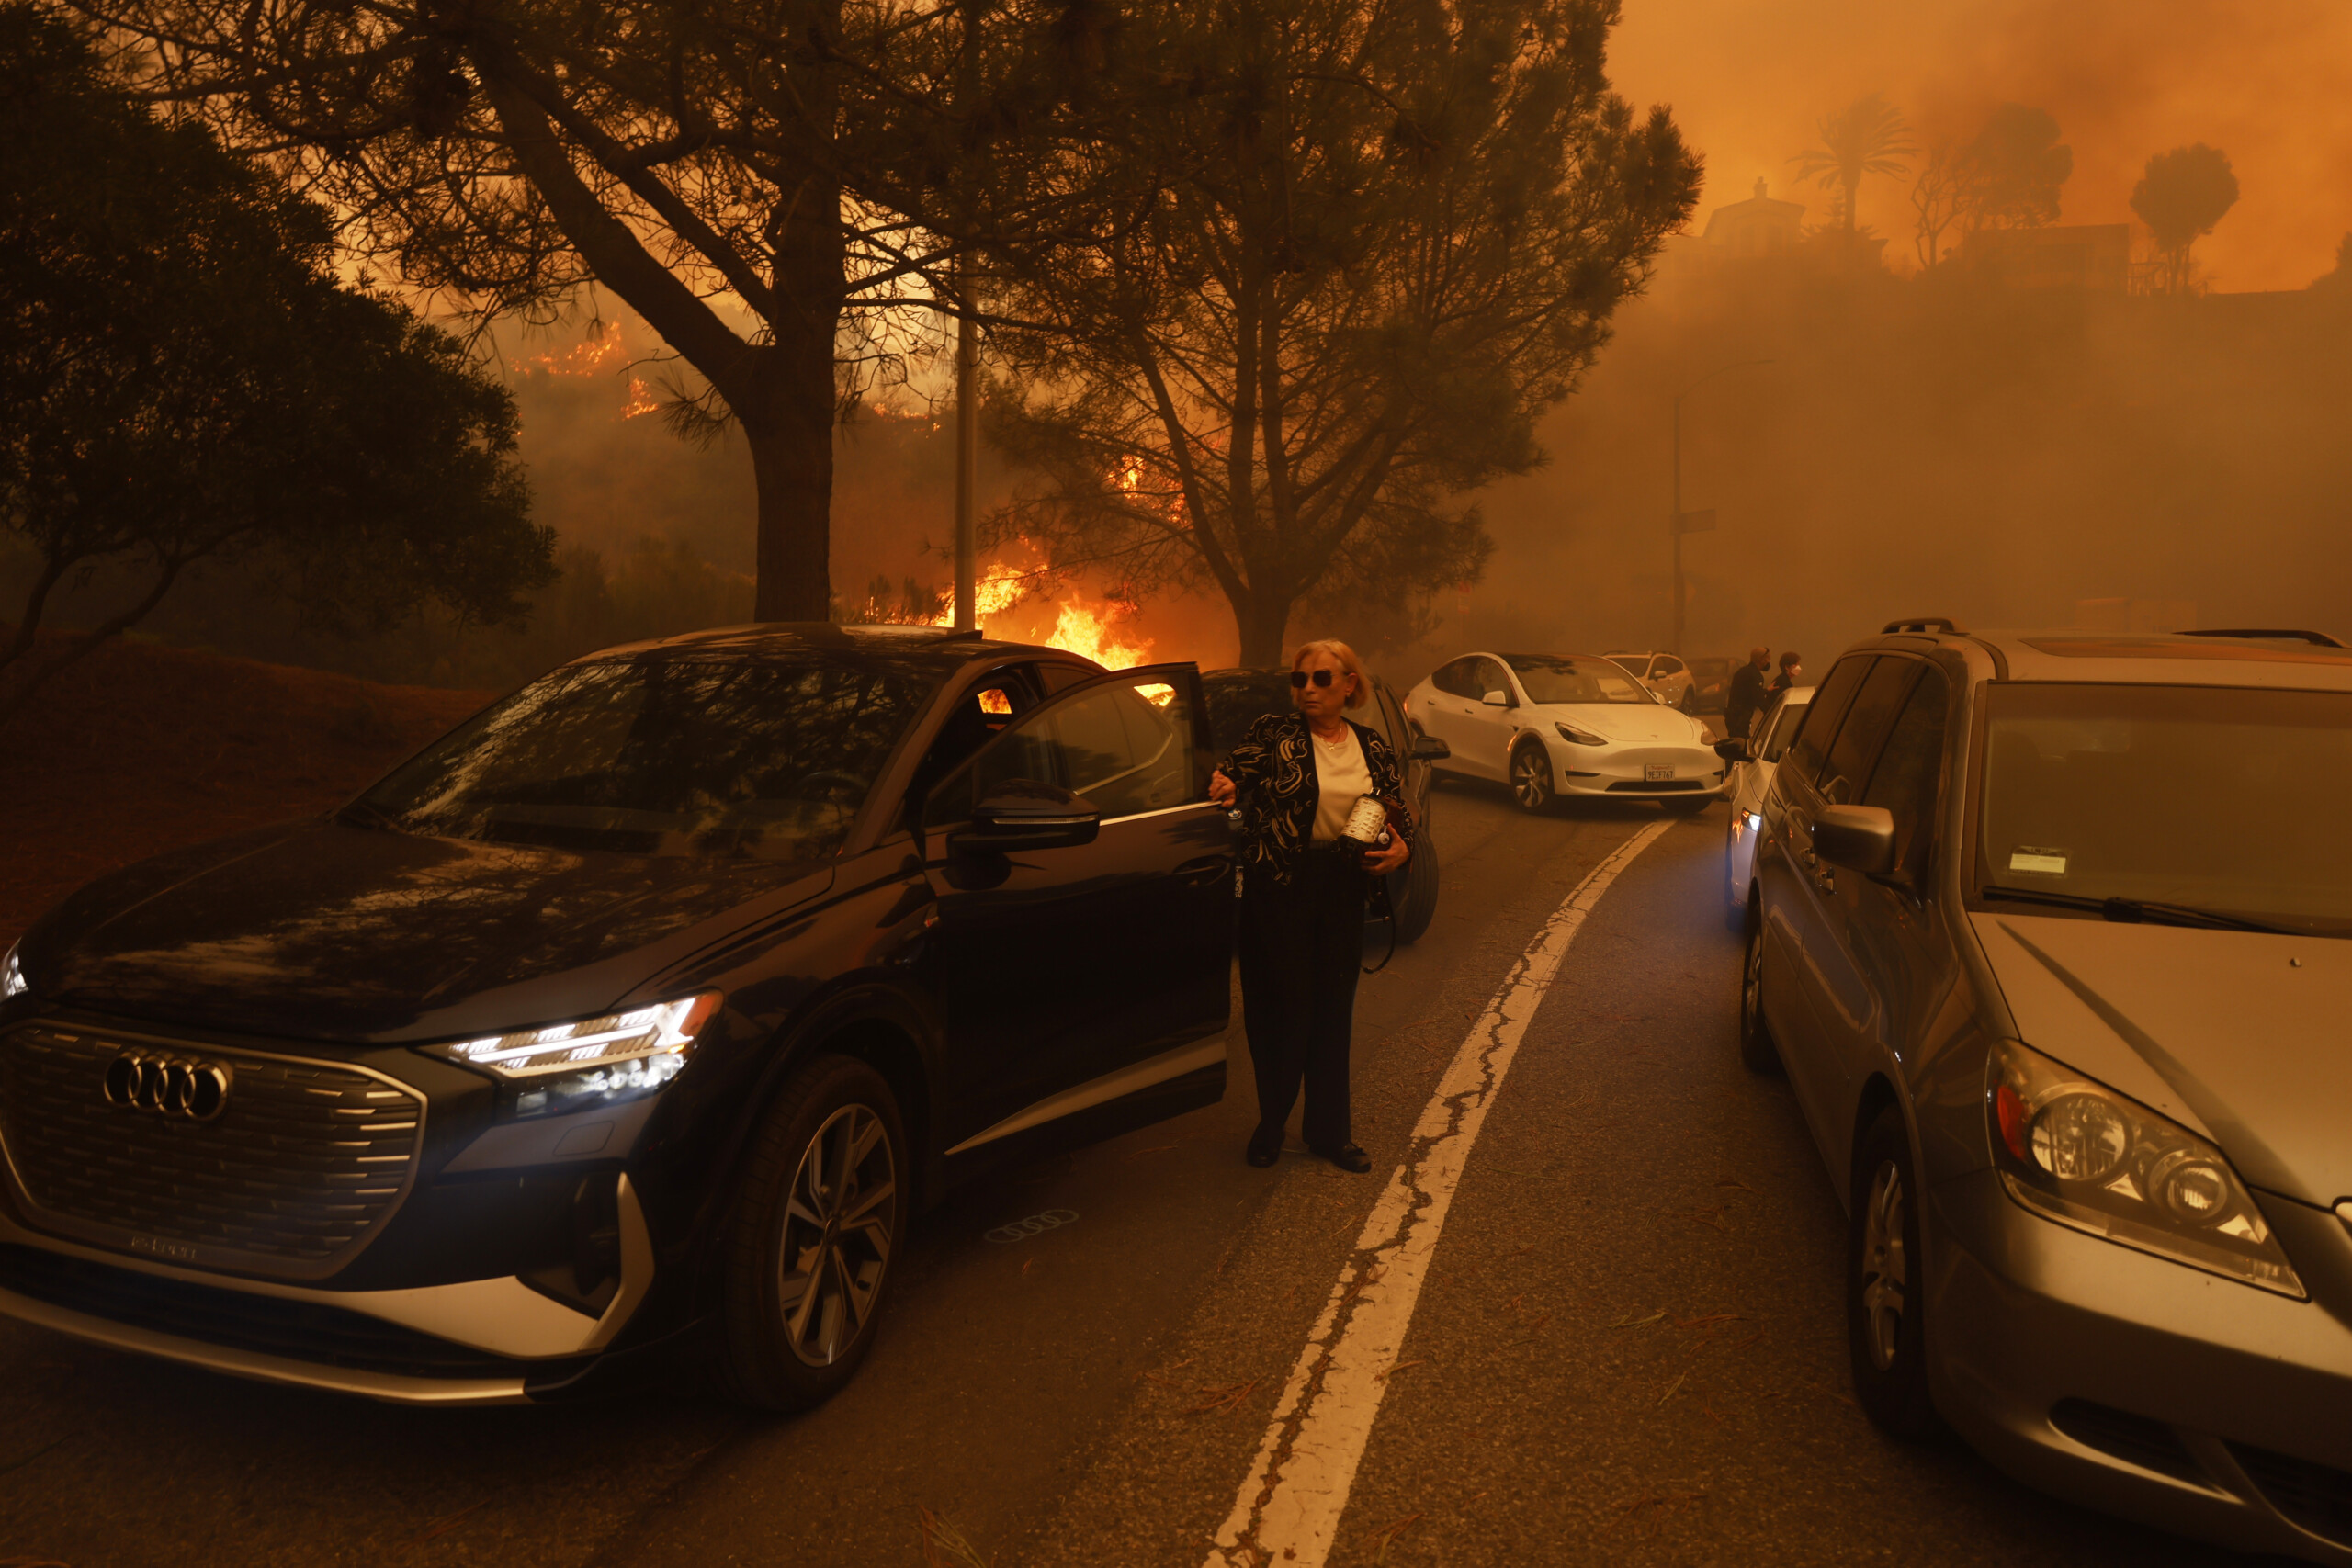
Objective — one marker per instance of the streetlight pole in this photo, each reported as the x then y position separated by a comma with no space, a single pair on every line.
1676,524
967,464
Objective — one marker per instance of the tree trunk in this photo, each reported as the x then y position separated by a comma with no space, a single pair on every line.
791,431
1264,622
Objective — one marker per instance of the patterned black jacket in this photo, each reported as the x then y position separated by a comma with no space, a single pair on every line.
1274,776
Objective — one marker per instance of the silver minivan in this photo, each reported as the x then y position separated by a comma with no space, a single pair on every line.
2048,932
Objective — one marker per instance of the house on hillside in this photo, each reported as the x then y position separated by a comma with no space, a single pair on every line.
1760,226
2096,257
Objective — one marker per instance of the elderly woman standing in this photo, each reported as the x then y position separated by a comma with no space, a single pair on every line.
1304,890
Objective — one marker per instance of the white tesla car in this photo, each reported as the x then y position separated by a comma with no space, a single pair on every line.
1750,780
1573,723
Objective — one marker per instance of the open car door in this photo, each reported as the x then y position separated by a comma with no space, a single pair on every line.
1083,974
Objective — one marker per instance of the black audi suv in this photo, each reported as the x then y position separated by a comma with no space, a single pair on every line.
620,1030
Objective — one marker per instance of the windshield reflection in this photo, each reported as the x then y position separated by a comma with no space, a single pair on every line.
2209,798
1552,679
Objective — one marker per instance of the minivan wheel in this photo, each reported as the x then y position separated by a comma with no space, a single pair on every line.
1756,1051
1531,777
818,1219
1885,1283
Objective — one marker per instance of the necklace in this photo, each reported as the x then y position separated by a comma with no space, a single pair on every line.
1335,743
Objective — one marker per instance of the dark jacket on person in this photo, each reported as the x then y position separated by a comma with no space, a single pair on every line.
1273,772
1746,696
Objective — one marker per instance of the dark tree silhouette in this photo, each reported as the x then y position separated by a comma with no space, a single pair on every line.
2007,176
1374,240
2183,194
1867,136
766,182
184,379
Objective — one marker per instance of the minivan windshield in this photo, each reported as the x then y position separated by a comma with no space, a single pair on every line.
2205,801
1573,678
741,759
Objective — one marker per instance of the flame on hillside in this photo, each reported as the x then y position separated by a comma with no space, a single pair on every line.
580,358
639,399
1089,626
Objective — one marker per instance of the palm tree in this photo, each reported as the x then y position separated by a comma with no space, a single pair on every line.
1867,136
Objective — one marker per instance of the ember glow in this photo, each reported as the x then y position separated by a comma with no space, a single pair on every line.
640,400
581,360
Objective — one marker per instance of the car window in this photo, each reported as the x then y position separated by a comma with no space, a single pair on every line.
1819,724
1549,678
1238,698
1910,767
1391,720
1864,730
1666,666
1491,678
1125,746
1458,679
736,759
979,717
1786,716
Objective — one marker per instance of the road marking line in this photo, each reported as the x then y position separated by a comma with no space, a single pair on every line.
1289,1505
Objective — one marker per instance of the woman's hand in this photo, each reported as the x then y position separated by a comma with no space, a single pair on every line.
1221,790
1380,863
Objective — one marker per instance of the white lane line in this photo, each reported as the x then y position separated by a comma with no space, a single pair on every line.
1289,1505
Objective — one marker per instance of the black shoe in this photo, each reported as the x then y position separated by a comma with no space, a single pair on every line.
1347,1156
1261,1153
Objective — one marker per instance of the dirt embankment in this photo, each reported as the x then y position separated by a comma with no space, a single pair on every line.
141,749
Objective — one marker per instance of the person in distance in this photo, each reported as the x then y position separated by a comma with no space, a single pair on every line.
1299,778
1746,698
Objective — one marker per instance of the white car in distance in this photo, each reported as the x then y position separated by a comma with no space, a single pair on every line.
1750,779
1667,677
1565,724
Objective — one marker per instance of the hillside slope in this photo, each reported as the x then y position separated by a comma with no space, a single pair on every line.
141,749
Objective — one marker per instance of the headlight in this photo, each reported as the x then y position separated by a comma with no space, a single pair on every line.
2079,1153
12,977
568,1067
1574,736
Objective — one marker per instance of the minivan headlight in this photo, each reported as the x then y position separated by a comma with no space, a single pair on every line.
12,976
568,1067
2078,1153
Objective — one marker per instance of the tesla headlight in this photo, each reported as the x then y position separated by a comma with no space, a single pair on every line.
1576,736
12,977
2078,1153
569,1066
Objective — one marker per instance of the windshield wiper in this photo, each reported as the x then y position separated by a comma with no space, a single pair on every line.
2135,912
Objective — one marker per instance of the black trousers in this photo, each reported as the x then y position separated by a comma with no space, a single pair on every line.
1302,948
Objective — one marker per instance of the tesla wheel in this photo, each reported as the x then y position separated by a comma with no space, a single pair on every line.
816,1223
1531,777
1757,1053
1885,1281
1412,892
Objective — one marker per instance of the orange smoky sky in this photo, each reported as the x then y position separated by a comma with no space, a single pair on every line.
2269,81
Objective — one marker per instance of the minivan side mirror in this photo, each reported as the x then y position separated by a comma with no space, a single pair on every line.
1860,838
1733,749
1430,748
1498,700
1017,816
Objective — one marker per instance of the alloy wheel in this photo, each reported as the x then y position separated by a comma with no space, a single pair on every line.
1886,1269
1531,778
837,1237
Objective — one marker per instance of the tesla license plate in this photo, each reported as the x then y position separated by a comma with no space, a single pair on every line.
1656,772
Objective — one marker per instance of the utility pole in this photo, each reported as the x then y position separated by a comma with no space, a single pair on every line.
968,462
1681,522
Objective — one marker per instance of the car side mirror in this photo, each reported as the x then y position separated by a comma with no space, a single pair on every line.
1430,748
1732,749
1017,816
1496,700
1860,838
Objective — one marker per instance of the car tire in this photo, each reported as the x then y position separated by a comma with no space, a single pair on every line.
1412,892
804,1290
1756,1051
1885,1281
1531,777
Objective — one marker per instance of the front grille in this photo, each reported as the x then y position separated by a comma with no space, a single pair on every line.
2135,1440
302,1331
304,1162
2316,1497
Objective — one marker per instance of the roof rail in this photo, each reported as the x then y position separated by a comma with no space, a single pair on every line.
2273,634
1923,623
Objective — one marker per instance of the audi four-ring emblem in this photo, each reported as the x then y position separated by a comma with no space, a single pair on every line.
187,1088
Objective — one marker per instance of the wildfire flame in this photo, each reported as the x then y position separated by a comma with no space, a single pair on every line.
1086,627
639,399
581,360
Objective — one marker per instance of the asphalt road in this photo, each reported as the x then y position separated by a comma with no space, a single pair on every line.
1629,1348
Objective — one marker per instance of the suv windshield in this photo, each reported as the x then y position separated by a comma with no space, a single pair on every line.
2228,801
1552,679
750,760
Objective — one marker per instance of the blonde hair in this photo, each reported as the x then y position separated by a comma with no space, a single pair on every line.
1346,657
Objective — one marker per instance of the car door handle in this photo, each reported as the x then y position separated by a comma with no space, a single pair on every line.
1202,872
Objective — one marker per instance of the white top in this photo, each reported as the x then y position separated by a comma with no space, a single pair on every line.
1341,775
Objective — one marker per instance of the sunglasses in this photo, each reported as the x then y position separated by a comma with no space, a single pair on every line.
1298,678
